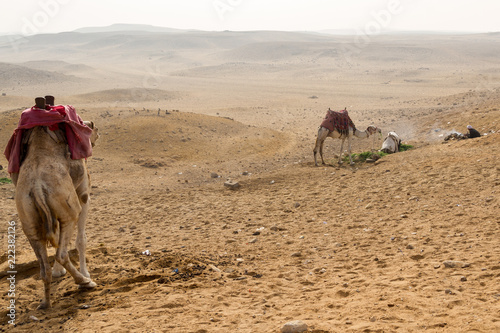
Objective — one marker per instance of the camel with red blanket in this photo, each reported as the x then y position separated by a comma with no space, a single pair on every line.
338,125
52,187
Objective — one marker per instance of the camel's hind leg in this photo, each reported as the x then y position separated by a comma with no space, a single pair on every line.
62,256
45,270
320,140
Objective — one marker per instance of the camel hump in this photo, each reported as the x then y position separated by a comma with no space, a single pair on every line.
50,223
339,121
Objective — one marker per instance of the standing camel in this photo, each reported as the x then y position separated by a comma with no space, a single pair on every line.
52,198
338,125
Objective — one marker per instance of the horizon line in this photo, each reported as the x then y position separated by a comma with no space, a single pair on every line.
326,31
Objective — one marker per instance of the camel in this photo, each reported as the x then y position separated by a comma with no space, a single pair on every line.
391,143
52,197
338,125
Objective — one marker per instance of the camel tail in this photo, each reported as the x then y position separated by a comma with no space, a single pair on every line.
50,223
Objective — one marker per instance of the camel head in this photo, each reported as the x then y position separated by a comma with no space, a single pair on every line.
95,132
372,130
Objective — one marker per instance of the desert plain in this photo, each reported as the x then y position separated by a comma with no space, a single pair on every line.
409,243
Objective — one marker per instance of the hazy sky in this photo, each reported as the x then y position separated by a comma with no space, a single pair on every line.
371,16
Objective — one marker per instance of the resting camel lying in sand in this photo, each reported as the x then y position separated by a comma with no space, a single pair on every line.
391,144
52,197
338,125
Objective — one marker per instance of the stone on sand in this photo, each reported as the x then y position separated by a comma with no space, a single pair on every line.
455,264
295,326
232,185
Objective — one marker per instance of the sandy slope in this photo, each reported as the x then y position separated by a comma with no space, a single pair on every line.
343,248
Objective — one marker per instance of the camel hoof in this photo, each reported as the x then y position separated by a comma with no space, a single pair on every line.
88,285
58,274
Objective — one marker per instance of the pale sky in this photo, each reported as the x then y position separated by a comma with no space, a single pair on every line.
28,17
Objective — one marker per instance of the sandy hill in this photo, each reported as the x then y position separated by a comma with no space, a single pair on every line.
121,27
409,243
15,75
59,66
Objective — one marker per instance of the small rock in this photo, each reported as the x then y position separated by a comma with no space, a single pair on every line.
253,241
295,326
256,233
455,264
404,216
245,173
33,318
213,268
463,279
214,175
297,205
410,247
370,205
297,254
121,229
232,185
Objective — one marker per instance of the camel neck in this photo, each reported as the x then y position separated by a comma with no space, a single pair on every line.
361,134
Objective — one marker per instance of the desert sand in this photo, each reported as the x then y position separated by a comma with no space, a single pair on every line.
361,248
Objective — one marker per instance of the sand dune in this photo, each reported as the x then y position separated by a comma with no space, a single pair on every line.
362,248
14,75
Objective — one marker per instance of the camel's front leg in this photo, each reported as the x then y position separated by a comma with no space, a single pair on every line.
349,150
81,239
62,256
341,150
81,245
58,270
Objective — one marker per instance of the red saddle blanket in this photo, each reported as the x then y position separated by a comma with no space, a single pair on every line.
77,133
338,120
